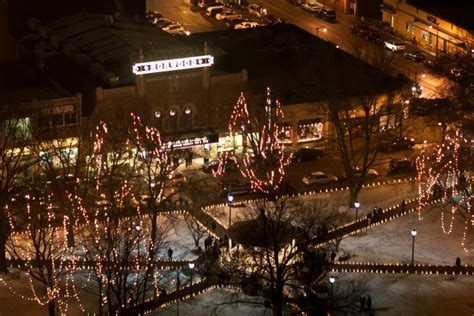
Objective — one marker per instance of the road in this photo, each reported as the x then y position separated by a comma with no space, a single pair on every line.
338,33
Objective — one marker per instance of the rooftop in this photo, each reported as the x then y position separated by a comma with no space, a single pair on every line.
21,83
460,12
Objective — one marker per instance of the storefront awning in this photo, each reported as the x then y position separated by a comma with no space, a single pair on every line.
191,139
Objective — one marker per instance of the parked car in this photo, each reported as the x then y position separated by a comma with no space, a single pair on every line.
396,144
153,16
433,65
371,173
204,4
232,23
457,74
212,165
319,177
311,6
296,2
227,15
212,11
175,182
306,154
246,25
270,19
401,166
394,46
234,187
361,30
327,15
174,29
257,10
414,56
162,22
375,38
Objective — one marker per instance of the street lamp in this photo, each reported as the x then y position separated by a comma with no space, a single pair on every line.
413,233
323,28
230,198
437,36
191,267
357,204
332,280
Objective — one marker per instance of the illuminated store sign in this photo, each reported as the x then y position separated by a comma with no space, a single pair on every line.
172,64
191,142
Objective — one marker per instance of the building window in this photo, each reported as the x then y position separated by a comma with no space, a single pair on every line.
173,120
425,36
188,117
157,119
286,134
70,119
310,130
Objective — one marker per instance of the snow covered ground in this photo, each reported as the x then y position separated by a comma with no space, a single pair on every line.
392,294
392,241
380,196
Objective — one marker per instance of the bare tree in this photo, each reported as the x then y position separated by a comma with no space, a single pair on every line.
42,252
14,137
277,260
264,160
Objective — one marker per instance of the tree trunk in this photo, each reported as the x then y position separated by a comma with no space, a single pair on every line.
354,191
3,242
277,307
51,308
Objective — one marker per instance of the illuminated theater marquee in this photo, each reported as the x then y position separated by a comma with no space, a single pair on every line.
172,64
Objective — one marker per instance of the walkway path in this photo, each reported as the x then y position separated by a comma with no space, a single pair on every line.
366,223
371,267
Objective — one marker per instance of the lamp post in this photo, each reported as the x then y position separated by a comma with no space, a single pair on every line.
177,289
230,198
323,28
191,267
437,36
357,204
332,280
137,229
413,233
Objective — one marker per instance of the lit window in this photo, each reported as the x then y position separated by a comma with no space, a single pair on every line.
157,114
187,110
172,112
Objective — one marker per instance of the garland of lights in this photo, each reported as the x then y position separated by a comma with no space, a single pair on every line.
439,176
265,170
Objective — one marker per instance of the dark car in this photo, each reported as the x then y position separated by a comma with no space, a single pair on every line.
270,19
375,38
327,15
402,166
297,2
212,165
399,143
233,187
306,154
433,65
360,30
414,56
457,74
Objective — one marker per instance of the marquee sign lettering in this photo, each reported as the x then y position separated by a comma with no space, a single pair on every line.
172,64
191,142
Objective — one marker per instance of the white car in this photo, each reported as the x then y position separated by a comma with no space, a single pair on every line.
311,6
174,29
319,177
394,46
246,25
228,15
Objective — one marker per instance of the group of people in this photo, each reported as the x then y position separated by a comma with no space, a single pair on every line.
375,212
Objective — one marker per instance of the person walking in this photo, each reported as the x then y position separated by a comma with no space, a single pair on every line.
403,205
362,302
170,253
458,265
369,303
333,256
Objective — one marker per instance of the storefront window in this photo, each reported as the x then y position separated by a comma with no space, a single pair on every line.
310,130
286,134
425,36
